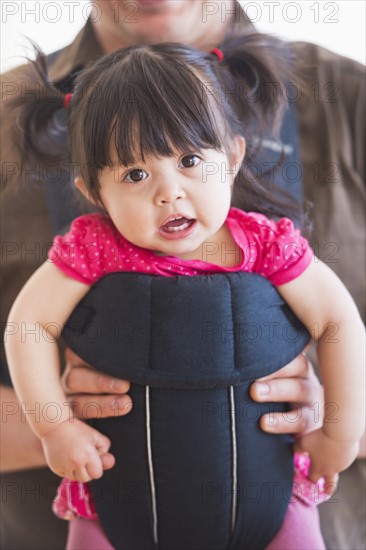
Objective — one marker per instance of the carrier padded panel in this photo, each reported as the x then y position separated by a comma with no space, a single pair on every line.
192,456
206,331
193,468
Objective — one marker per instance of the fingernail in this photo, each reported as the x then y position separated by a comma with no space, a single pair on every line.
262,389
117,408
122,405
127,404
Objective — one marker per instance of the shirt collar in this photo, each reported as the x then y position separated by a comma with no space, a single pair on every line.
84,49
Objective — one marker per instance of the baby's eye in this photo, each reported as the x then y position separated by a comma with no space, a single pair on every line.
189,161
136,175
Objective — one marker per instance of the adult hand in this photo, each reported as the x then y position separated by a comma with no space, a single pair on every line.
297,384
92,393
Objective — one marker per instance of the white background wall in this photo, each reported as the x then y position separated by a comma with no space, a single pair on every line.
339,26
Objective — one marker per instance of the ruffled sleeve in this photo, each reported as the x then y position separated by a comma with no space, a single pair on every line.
84,252
276,250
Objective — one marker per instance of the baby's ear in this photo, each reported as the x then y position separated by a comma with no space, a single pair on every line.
238,151
80,185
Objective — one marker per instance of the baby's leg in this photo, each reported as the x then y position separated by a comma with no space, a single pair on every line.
87,534
300,529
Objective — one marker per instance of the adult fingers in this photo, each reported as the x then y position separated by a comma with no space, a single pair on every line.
74,359
297,421
290,422
295,382
100,406
84,379
281,390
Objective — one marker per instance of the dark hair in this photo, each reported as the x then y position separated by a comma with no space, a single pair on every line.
152,100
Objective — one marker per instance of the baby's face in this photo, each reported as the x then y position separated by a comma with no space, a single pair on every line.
173,205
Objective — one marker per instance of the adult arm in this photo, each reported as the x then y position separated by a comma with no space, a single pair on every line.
20,449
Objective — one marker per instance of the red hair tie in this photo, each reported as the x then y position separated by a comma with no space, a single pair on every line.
219,54
67,100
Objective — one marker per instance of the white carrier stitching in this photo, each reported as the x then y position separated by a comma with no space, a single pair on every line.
234,465
151,468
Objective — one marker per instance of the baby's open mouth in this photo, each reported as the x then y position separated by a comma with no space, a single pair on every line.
177,223
177,226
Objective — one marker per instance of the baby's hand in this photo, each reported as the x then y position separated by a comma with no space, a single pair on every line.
328,456
76,451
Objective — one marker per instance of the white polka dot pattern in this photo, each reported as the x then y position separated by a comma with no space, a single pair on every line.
93,248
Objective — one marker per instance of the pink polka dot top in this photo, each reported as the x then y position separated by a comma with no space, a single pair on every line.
93,248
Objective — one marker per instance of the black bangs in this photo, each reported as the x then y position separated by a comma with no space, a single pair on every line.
169,99
155,108
160,100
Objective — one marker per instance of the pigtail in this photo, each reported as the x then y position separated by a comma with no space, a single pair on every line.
40,120
259,68
256,73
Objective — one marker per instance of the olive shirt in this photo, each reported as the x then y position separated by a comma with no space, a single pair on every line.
330,109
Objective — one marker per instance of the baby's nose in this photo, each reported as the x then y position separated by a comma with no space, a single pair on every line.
169,192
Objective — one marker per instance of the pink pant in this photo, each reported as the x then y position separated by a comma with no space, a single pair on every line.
299,531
